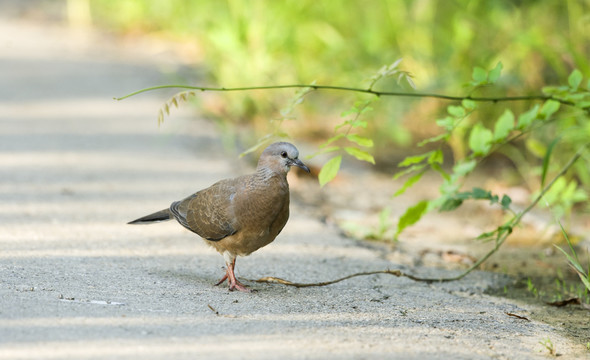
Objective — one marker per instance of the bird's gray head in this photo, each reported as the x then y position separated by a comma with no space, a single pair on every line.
279,157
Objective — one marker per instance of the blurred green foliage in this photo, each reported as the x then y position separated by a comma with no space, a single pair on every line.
259,42
304,40
442,43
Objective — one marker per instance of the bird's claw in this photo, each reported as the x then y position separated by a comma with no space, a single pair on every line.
234,284
240,287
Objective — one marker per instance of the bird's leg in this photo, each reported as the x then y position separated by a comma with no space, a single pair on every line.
234,284
229,259
230,275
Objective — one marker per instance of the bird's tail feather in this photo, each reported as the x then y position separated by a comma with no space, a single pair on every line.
162,215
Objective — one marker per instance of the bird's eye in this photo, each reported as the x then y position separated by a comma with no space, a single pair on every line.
284,154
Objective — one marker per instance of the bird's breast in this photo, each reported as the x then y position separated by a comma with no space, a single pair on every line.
261,212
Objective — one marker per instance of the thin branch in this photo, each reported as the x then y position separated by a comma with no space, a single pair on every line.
275,280
345,88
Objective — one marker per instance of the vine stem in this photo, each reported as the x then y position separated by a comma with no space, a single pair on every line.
352,89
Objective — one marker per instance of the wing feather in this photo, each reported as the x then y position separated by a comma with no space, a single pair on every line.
209,212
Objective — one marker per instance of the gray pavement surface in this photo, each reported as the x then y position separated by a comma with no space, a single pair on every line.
77,282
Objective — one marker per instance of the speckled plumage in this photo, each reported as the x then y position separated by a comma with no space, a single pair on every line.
239,216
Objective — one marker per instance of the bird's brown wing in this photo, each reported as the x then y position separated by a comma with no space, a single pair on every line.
209,212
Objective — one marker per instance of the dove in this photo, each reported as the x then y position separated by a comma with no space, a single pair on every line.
240,215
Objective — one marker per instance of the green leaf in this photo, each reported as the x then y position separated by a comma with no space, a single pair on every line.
464,167
437,157
359,123
585,279
468,104
360,140
500,230
447,123
575,79
559,91
411,160
160,117
332,139
526,118
536,147
411,181
411,216
505,202
575,97
569,191
353,123
579,196
366,109
453,202
480,140
395,64
479,75
450,204
329,170
436,167
434,139
549,108
360,154
323,151
554,193
576,265
569,243
456,111
546,161
449,186
409,170
351,111
476,193
487,235
384,222
479,194
494,74
503,229
504,126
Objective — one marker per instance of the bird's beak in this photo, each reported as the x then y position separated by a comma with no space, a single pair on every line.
299,164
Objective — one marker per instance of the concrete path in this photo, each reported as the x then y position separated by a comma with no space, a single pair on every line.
77,282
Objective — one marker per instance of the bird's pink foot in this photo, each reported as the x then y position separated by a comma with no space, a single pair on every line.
230,276
239,286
